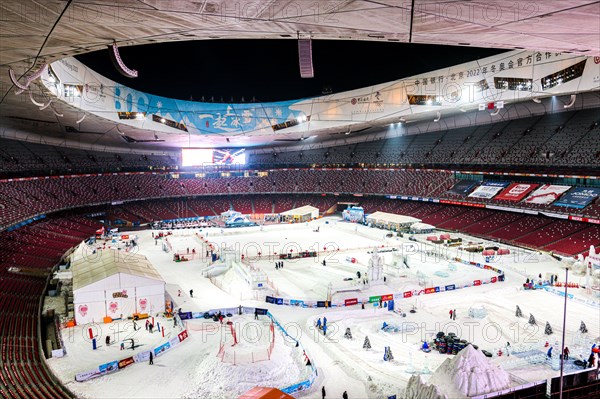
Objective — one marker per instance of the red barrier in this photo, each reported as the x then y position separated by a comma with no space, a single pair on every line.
350,302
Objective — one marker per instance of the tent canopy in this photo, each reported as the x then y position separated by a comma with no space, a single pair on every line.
392,218
303,210
89,268
422,226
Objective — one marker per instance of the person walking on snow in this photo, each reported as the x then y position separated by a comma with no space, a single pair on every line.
191,293
454,314
323,392
255,314
151,358
147,322
345,395
450,314
566,353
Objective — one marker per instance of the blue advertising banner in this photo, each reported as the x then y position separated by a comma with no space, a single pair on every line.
578,197
108,367
296,302
185,315
463,187
159,350
450,287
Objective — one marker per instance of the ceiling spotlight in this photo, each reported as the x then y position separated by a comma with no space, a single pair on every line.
162,120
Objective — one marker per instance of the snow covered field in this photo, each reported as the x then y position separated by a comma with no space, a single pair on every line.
194,370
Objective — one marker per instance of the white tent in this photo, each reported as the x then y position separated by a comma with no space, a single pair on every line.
302,213
114,284
391,220
420,227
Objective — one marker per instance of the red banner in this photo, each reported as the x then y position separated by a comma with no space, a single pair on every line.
407,294
125,362
516,191
430,290
477,282
586,220
350,302
388,297
462,203
182,335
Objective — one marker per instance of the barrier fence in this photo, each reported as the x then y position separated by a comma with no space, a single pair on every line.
230,354
300,386
385,298
116,365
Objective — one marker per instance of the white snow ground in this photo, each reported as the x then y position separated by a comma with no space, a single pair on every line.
193,370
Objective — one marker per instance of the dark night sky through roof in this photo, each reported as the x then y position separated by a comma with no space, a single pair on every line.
268,69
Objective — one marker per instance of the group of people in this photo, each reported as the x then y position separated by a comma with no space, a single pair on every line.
591,361
322,326
149,326
323,393
279,265
452,314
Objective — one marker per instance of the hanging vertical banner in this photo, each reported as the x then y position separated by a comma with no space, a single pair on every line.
546,194
578,197
516,191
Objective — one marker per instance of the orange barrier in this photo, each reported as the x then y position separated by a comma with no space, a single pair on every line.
265,393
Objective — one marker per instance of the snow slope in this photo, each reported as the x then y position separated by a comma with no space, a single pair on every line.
468,374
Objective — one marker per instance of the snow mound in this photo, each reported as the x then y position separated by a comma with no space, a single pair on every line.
418,389
468,374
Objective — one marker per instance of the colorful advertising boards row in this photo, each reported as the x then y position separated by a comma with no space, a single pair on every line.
141,357
389,297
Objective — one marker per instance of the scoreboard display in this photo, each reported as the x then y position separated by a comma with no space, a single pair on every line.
207,156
